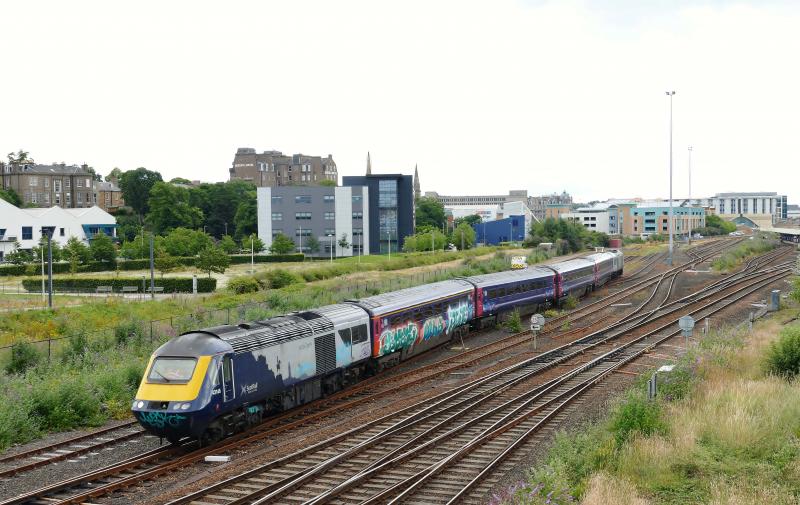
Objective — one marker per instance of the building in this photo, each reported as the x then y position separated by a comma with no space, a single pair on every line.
592,218
67,186
325,212
649,218
390,209
509,229
273,168
520,195
25,225
109,196
539,204
753,209
556,210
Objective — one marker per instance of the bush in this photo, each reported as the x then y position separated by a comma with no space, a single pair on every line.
513,323
66,404
242,285
77,346
570,302
550,313
636,414
128,331
23,356
279,278
783,356
88,284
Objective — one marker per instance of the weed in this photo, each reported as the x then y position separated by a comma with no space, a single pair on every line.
783,355
636,415
570,302
23,356
127,331
550,313
513,323
241,285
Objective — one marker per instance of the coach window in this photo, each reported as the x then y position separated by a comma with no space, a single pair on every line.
345,336
359,334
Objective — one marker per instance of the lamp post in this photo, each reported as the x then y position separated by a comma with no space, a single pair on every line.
49,233
252,255
670,94
300,228
331,246
152,271
690,195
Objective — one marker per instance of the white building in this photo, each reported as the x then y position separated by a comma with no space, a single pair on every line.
592,218
757,209
25,225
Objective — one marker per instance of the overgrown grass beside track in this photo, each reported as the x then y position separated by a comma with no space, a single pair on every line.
723,431
733,258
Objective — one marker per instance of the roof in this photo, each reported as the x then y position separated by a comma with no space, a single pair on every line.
107,186
509,276
388,302
53,169
571,264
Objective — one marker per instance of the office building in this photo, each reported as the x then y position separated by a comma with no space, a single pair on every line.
390,209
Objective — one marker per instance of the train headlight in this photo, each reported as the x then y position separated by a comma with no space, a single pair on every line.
139,404
185,406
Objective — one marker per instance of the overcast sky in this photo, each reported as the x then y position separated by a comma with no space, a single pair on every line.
483,96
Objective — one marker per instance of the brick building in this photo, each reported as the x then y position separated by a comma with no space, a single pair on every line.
66,186
273,168
109,196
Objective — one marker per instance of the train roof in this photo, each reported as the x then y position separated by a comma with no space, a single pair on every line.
275,330
573,264
409,297
509,276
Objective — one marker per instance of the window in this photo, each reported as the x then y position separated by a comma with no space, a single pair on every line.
302,199
328,198
356,198
345,336
66,183
178,370
359,334
276,232
58,199
387,194
33,180
277,216
302,232
34,198
27,233
302,216
80,197
80,183
330,231
61,232
277,199
358,215
357,232
330,216
46,182
69,199
57,186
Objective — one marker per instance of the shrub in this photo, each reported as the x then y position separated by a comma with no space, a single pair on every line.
795,294
77,345
635,415
279,278
570,302
550,313
23,356
127,331
783,356
242,285
170,284
513,323
66,404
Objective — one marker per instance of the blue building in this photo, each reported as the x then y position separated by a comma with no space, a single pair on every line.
510,229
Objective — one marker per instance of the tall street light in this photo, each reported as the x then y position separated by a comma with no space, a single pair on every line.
690,195
670,94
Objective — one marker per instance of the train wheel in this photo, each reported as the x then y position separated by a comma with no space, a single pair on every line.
211,436
173,440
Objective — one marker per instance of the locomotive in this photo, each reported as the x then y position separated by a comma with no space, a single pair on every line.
212,382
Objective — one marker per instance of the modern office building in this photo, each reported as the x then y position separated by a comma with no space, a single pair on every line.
390,207
649,218
509,229
24,226
327,213
273,168
66,186
753,209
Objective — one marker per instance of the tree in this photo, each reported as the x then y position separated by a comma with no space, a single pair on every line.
18,256
463,236
425,240
180,180
185,242
313,244
102,248
76,253
114,175
252,241
136,186
170,208
470,220
11,197
246,218
213,259
165,263
42,248
221,202
281,244
327,182
343,243
430,212
19,157
228,244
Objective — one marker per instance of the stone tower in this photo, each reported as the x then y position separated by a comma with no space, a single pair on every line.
369,165
417,191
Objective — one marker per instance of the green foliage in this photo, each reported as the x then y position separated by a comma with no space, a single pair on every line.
313,244
550,313
136,186
328,183
429,213
89,284
11,196
424,240
715,225
281,244
18,256
569,303
343,243
165,263
463,235
228,244
127,332
513,323
185,242
37,251
636,415
19,157
212,259
733,258
170,208
783,355
128,223
102,248
241,285
279,278
67,405
226,206
76,253
469,220
795,294
568,236
23,356
257,245
114,175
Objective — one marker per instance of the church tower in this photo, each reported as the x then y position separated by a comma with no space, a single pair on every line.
417,191
369,165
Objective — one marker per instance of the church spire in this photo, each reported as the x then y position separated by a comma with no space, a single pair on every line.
417,191
369,165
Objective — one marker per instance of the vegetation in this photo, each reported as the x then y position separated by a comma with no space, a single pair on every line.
165,263
513,323
11,197
736,256
715,225
281,244
76,253
256,245
213,259
228,244
429,214
783,356
90,284
567,236
463,235
136,186
169,208
241,285
426,239
569,303
102,249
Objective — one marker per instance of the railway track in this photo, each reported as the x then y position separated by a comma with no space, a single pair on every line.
445,448
151,465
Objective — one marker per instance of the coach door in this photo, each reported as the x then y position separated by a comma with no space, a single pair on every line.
228,389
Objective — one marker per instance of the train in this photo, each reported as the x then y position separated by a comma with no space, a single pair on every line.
210,383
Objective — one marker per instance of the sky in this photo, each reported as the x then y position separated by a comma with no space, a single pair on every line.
483,96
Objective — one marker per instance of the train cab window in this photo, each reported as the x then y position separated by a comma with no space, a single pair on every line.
359,334
227,372
345,336
172,370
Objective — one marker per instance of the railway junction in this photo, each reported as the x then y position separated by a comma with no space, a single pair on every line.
447,427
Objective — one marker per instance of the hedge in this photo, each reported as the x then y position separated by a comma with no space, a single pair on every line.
140,264
170,284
